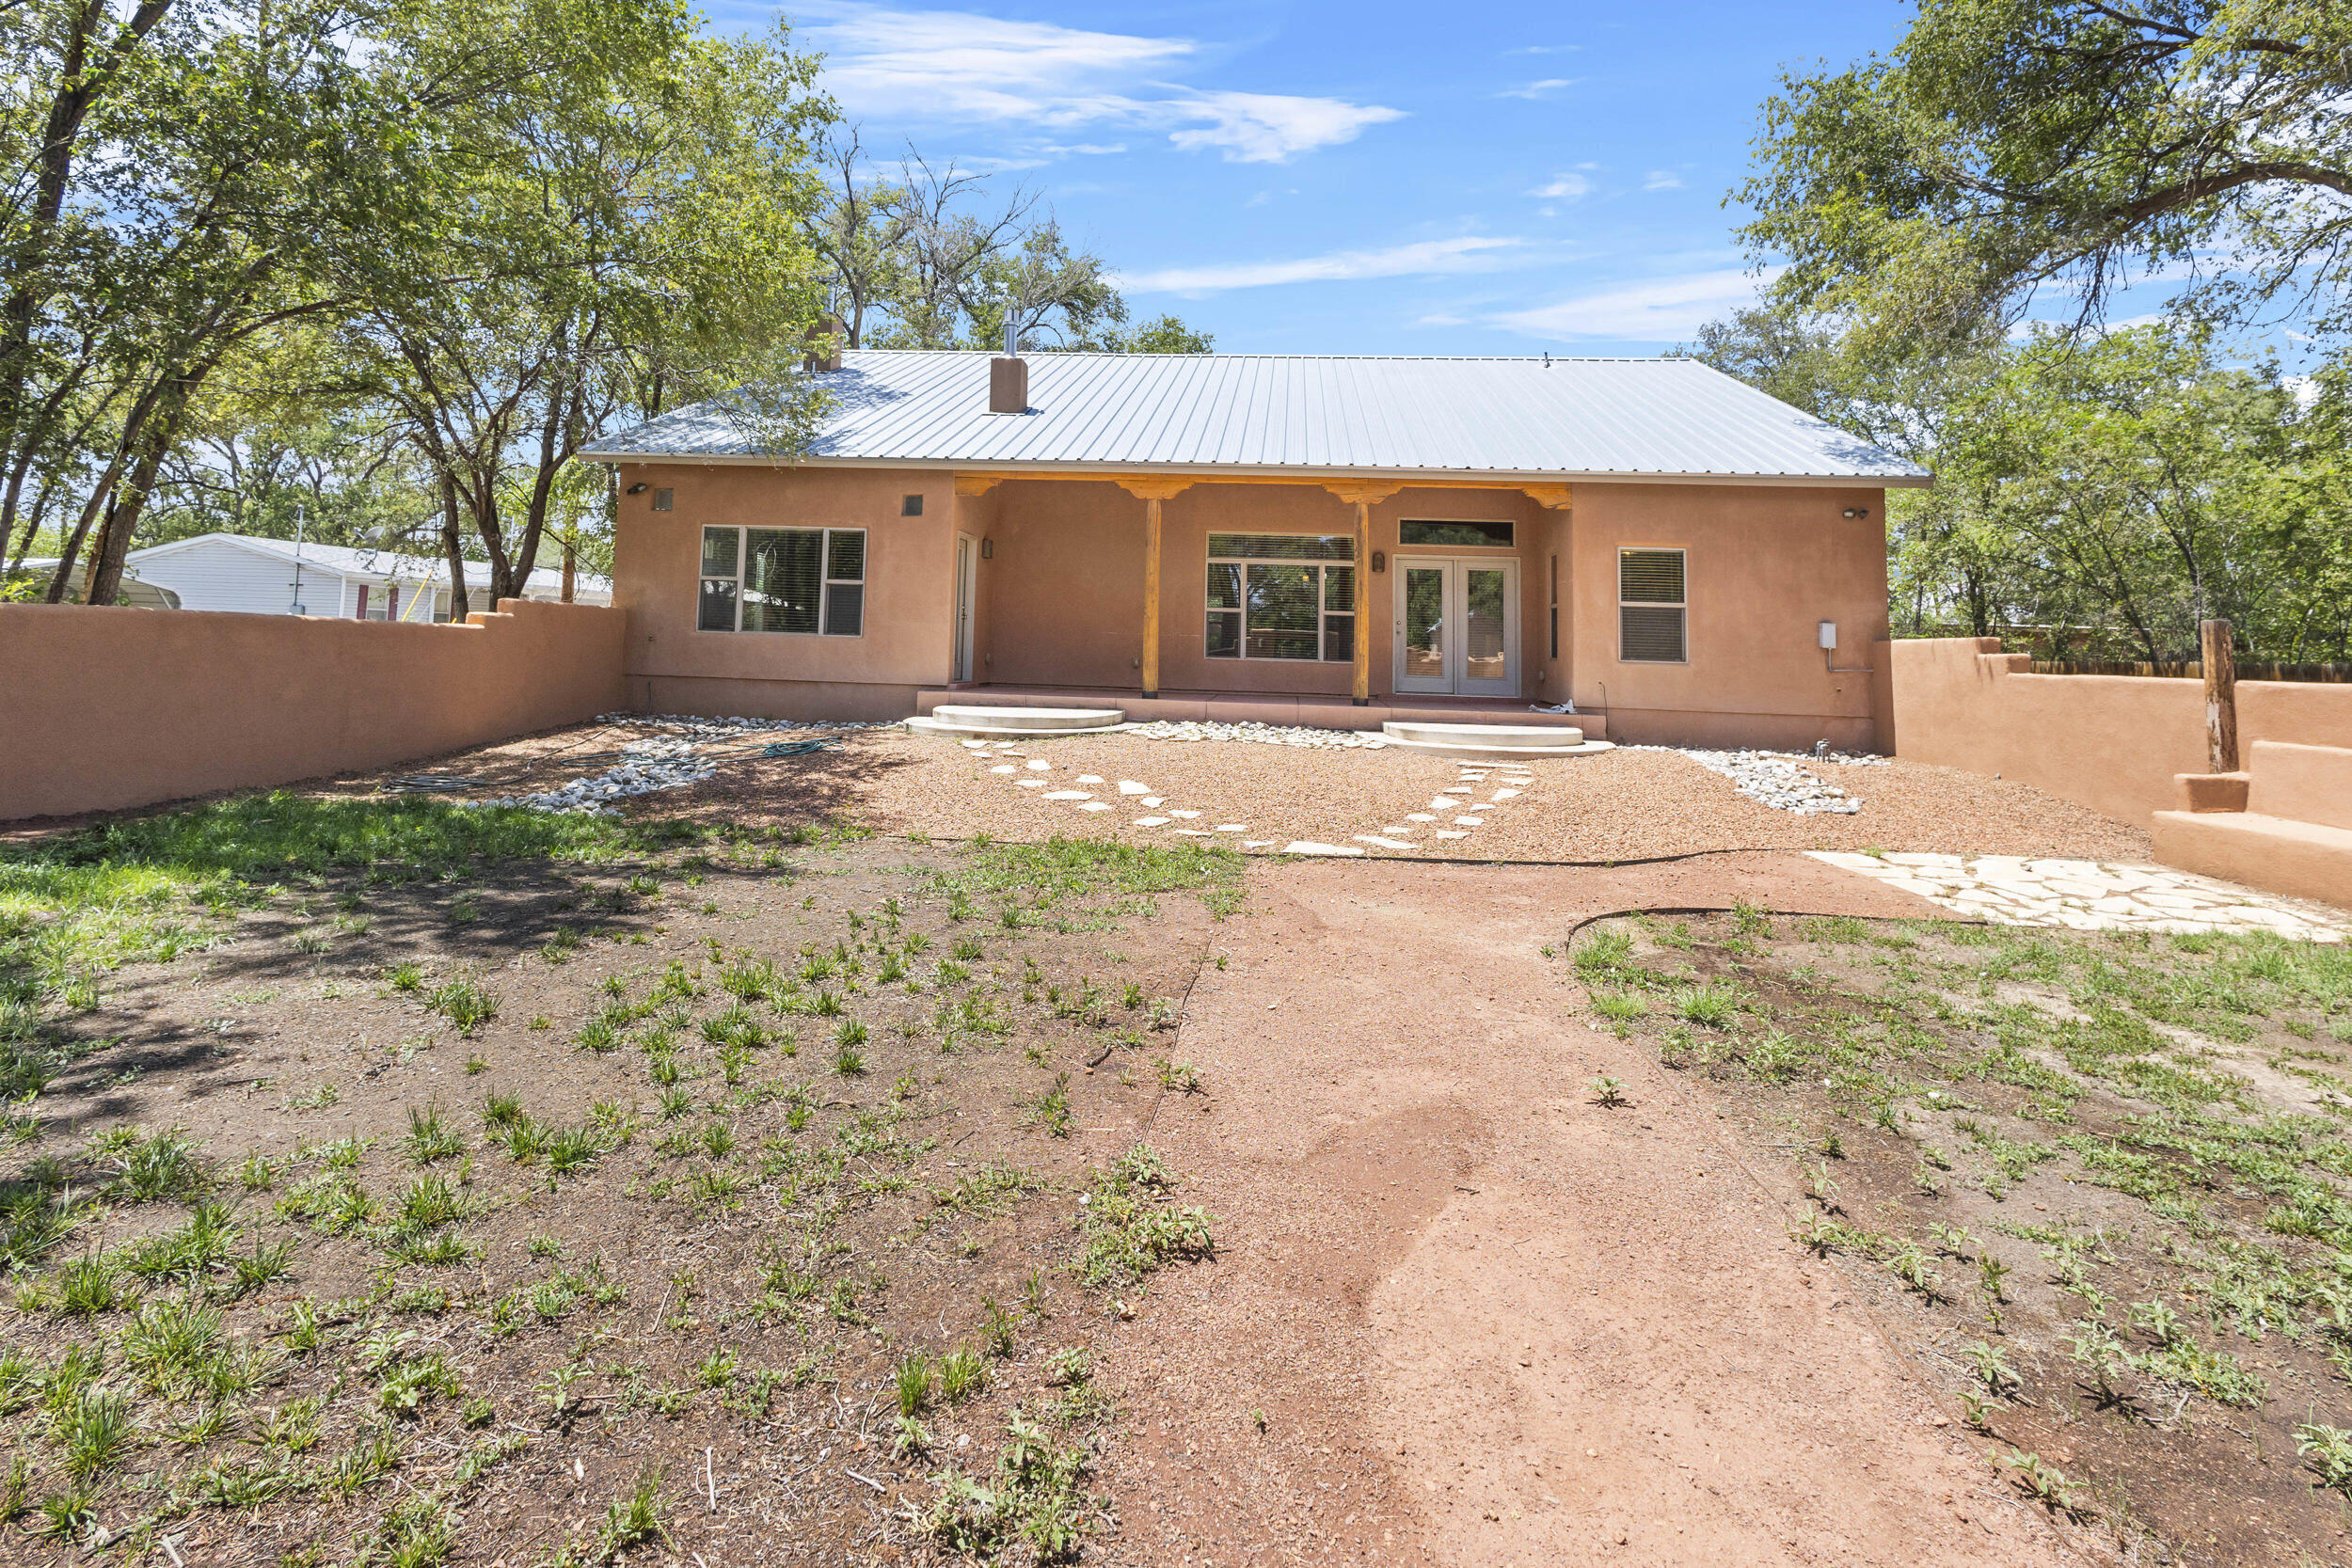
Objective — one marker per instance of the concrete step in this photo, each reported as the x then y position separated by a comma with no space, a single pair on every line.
2278,854
961,719
1492,742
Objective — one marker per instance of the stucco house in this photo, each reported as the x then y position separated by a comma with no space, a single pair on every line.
1301,538
269,577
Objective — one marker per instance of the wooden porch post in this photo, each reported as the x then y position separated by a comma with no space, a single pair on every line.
1362,496
1151,492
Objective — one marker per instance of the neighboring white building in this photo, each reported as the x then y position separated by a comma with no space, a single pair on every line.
269,577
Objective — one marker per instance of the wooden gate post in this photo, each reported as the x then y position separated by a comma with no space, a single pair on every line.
2221,696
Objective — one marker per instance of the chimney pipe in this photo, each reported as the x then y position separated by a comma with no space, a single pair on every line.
823,342
1009,374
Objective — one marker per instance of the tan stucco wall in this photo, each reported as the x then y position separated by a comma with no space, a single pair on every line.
106,708
1061,595
910,586
1766,564
2111,742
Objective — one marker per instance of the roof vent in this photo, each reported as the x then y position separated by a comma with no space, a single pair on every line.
1008,374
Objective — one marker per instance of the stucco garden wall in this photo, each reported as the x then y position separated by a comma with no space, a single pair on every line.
2111,742
104,709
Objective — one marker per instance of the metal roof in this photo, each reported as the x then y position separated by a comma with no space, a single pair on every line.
1485,418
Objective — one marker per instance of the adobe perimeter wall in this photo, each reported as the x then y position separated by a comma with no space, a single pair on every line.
2109,742
103,709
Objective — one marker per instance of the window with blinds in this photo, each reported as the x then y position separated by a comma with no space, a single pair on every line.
806,580
1282,596
1652,612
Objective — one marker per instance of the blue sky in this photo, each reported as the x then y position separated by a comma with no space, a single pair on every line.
1359,178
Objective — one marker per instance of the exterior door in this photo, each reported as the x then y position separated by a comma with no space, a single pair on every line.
967,573
1458,626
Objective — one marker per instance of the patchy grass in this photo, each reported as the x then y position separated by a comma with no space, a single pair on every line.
336,1305
2107,1178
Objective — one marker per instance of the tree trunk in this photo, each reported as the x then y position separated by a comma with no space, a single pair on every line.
452,549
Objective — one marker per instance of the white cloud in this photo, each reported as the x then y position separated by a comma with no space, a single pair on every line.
1421,258
1567,187
1261,128
1658,310
1662,179
1544,48
959,66
1540,90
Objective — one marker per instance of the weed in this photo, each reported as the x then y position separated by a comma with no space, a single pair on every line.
1131,1229
633,1520
1608,1092
431,1137
913,1382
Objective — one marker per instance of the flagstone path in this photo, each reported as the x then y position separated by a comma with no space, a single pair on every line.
2088,895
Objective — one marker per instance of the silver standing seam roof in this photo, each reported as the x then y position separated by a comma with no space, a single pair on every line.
1470,418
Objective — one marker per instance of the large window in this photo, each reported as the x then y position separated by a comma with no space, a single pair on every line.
1651,609
809,580
1282,596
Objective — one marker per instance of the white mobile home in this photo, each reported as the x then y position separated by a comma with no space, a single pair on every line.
276,577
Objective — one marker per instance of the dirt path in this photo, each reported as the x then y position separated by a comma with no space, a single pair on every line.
1483,1320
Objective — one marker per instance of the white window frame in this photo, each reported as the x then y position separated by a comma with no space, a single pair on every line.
826,584
1681,606
1323,597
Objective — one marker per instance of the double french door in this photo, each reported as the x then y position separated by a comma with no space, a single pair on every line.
1458,626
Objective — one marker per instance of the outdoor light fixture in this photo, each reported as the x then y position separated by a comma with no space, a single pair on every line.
1857,511
1380,561
639,489
988,550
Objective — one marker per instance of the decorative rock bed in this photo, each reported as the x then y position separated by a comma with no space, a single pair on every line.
1780,779
1254,732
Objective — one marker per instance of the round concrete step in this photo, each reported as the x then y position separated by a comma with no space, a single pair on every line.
1535,736
958,719
1500,753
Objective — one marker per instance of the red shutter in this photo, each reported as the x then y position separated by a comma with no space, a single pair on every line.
361,613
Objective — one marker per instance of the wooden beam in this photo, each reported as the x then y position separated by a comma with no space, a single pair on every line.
1551,497
1154,487
1151,595
976,484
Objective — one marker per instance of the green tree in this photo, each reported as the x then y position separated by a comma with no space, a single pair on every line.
2006,147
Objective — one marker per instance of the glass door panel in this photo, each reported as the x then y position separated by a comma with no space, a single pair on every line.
1485,668
1420,629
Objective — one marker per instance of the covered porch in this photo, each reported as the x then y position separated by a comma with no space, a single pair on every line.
1262,597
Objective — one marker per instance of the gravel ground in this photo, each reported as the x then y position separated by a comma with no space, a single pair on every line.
1620,805
1626,804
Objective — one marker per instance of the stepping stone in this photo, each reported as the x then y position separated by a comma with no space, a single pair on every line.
1129,787
1030,783
1004,768
1455,790
1395,831
1257,844
1459,821
1151,821
1449,833
976,745
1187,815
1419,816
1089,778
1383,843
1090,805
1506,795
1442,803
1308,847
1232,827
1040,764
1195,832
1154,800
1068,795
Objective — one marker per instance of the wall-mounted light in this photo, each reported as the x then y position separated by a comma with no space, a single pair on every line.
1380,561
988,550
1857,511
637,489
